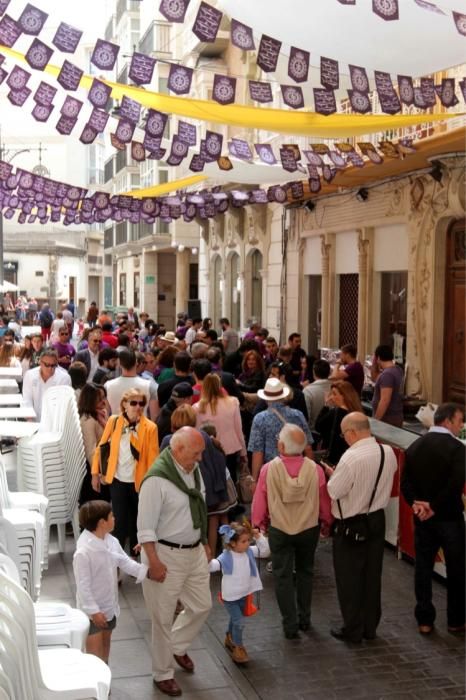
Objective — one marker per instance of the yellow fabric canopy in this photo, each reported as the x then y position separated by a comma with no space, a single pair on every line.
337,126
166,187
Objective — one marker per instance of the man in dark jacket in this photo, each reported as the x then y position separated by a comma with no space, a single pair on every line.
432,484
182,393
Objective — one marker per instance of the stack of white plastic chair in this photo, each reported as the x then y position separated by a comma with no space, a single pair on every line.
29,527
44,674
52,462
26,500
57,624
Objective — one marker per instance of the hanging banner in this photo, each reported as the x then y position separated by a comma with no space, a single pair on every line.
242,36
269,51
67,38
224,89
298,65
207,23
260,92
329,74
386,9
38,55
174,10
32,20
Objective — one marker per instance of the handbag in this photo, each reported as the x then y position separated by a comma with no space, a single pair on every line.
356,528
225,506
245,482
104,452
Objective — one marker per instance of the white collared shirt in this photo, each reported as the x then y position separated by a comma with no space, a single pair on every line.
95,565
164,512
354,477
34,386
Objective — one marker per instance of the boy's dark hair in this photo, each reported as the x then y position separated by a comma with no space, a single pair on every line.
107,354
201,368
321,369
214,355
213,335
384,353
124,339
78,374
182,361
91,512
292,336
107,327
127,358
350,349
225,321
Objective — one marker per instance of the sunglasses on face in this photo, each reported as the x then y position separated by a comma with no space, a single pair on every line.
48,365
137,403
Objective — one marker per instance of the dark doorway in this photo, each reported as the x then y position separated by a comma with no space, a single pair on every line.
453,355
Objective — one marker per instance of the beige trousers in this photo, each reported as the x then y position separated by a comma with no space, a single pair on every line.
187,580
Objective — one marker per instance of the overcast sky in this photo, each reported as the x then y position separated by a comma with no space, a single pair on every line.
88,15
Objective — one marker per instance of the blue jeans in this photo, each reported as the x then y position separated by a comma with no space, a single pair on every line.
235,626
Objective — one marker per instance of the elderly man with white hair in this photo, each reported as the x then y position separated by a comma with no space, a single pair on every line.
292,493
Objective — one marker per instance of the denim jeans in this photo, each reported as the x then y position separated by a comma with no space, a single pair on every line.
235,626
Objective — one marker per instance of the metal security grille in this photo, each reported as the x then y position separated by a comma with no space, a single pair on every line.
348,327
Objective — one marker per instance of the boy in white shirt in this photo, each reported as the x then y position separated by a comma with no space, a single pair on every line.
240,580
95,562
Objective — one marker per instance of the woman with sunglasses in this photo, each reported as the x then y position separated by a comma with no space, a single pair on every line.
134,445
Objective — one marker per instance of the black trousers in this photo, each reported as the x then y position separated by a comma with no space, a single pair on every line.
429,536
358,574
125,509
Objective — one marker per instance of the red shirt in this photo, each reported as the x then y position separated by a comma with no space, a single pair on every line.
110,339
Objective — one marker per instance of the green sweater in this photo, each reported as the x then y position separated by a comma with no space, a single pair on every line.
165,467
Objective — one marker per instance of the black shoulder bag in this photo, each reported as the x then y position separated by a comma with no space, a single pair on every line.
356,528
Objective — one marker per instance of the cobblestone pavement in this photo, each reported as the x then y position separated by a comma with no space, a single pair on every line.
399,664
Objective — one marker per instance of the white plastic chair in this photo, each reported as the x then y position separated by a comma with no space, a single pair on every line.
57,624
58,674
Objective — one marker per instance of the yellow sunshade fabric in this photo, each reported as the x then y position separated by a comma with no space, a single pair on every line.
166,187
278,120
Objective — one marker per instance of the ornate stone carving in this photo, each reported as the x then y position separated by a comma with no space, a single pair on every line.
214,243
229,233
253,238
325,252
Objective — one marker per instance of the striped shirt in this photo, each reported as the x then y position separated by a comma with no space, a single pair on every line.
354,477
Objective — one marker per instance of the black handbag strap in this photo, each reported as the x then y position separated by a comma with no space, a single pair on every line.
379,474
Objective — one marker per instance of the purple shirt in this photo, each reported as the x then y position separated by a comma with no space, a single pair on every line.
64,350
391,377
355,372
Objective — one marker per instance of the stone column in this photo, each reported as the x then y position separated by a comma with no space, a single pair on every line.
328,289
182,280
365,237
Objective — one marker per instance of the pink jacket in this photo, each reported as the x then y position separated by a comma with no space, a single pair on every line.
227,420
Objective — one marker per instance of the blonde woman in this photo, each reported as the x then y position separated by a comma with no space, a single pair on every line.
134,446
223,412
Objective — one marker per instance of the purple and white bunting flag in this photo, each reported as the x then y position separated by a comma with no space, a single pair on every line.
267,56
197,164
260,92
297,190
337,159
265,153
19,97
386,9
427,90
360,101
462,84
125,130
356,160
388,98
88,135
32,20
329,73
67,38
447,95
187,133
174,10
179,79
460,22
324,101
98,119
71,107
155,123
38,55
292,96
242,36
10,31
347,2
116,143
4,5
179,149
3,75
328,173
99,93
288,160
44,94
213,144
69,76
224,89
430,6
207,22
151,143
298,65
18,78
141,68
359,79
314,159
240,149
130,109
406,89
105,54
65,125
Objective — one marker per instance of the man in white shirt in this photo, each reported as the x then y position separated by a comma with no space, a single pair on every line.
172,527
36,381
192,332
360,485
129,380
316,393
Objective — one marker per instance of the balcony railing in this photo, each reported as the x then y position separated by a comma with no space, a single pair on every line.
108,237
156,39
109,169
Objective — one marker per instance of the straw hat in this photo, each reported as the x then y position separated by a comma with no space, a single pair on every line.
169,337
274,390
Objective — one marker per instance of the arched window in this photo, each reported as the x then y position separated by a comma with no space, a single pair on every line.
216,289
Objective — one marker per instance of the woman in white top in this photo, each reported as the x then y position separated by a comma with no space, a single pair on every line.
57,323
223,412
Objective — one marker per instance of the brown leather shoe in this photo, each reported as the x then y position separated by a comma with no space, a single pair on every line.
169,687
425,629
240,655
229,644
185,662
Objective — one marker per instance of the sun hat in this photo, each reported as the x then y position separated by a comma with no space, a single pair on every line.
169,337
274,390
